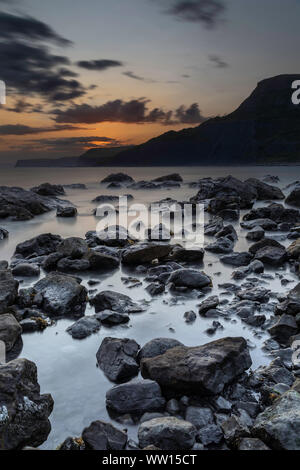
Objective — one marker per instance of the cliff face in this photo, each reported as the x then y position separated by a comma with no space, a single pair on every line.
264,129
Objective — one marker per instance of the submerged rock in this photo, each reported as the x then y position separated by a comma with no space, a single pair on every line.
136,397
84,327
205,369
118,358
24,412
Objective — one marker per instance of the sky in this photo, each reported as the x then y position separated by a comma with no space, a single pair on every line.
99,73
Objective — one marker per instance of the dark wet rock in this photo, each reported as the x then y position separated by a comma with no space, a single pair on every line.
285,327
26,270
39,246
173,407
181,254
265,242
274,373
290,306
10,331
104,436
189,278
106,198
167,433
256,234
70,264
19,204
211,434
118,178
108,317
159,232
155,288
25,297
102,258
73,247
294,197
75,186
255,294
145,252
190,316
256,267
230,215
229,232
3,234
30,325
237,259
208,304
199,417
272,255
265,224
110,300
271,179
171,177
8,289
264,190
279,425
294,249
223,405
214,327
118,358
214,226
205,369
47,189
149,416
50,262
276,212
60,295
112,236
136,397
251,443
144,185
157,346
255,320
66,212
84,327
3,265
72,443
234,429
23,411
220,246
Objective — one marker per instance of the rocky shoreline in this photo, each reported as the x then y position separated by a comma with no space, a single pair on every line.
179,397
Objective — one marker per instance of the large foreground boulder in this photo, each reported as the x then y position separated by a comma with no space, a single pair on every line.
23,411
104,436
8,289
145,252
136,397
204,369
60,295
167,434
279,425
10,330
118,358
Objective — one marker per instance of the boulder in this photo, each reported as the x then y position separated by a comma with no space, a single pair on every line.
208,304
118,358
190,278
265,242
19,204
265,191
136,397
3,234
237,259
265,224
110,300
294,197
47,189
118,178
71,264
211,434
222,245
84,327
108,317
24,412
73,247
26,270
214,226
285,327
145,252
205,369
252,443
200,417
172,177
279,425
155,288
10,330
103,257
157,346
271,255
255,294
8,289
60,295
276,212
67,212
256,234
41,245
167,434
104,436
293,250
229,232
181,254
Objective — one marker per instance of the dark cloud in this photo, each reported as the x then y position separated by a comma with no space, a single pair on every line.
102,64
138,77
207,12
134,111
218,62
20,129
22,106
12,27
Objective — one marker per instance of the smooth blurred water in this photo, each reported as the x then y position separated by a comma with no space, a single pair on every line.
66,367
